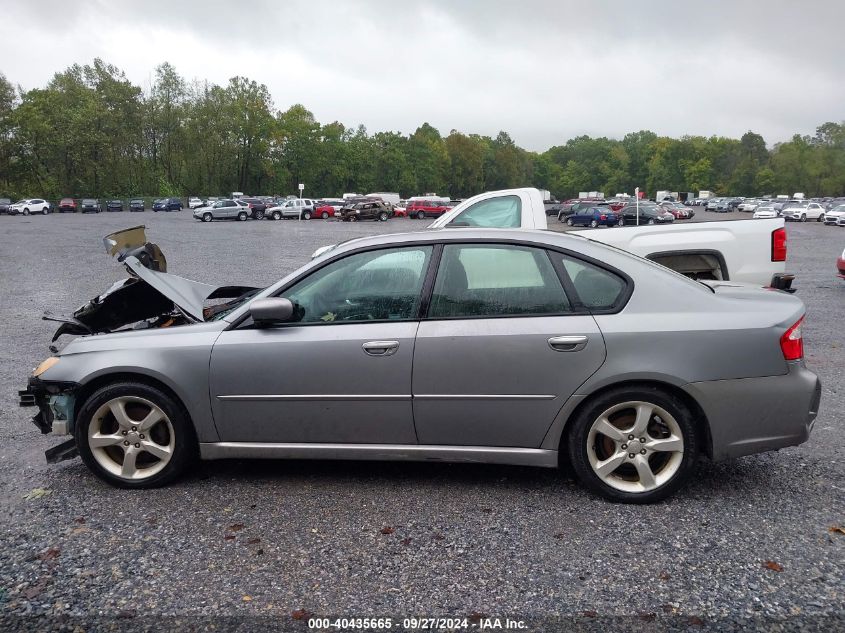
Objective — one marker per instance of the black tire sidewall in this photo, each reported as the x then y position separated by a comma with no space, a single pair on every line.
579,427
185,449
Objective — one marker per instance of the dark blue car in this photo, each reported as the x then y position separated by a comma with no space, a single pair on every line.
594,216
168,204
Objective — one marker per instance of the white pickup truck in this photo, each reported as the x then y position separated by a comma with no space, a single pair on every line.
745,251
741,251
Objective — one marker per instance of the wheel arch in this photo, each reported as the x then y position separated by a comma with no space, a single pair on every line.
91,386
557,435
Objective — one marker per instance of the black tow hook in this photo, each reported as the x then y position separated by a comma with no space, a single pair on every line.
62,452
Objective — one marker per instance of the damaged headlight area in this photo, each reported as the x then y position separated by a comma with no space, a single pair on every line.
56,402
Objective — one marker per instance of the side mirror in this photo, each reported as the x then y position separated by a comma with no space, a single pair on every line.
271,310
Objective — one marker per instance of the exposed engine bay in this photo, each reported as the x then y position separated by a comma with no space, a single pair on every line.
150,297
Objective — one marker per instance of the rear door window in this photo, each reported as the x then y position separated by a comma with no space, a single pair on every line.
495,280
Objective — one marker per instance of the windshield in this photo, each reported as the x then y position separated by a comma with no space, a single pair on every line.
89,201
215,313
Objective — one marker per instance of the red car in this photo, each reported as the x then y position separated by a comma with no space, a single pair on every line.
324,211
840,265
677,209
67,205
427,209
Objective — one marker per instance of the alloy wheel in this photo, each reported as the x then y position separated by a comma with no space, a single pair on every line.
131,438
635,446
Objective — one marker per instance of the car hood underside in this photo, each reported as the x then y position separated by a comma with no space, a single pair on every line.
149,297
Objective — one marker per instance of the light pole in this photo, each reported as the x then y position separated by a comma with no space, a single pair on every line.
637,200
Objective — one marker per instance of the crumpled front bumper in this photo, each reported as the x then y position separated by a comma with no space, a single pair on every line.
56,402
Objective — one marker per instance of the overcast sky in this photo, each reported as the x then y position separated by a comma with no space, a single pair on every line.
545,71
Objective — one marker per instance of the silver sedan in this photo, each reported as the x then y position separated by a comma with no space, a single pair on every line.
466,345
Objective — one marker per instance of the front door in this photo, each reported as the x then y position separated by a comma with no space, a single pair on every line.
339,373
501,350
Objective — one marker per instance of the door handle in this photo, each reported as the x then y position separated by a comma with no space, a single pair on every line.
380,348
573,343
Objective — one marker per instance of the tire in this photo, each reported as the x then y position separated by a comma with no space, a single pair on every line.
621,222
668,437
242,216
420,215
44,211
353,217
26,212
820,218
306,215
171,437
277,215
207,217
593,224
569,222
803,217
382,217
651,221
325,215
258,215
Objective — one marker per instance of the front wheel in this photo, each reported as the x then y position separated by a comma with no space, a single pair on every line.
803,217
277,215
325,215
44,211
382,217
242,216
651,221
569,222
306,215
633,444
420,215
258,215
820,218
621,222
133,435
26,211
207,217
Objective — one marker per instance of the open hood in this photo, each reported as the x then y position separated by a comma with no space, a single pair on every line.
149,297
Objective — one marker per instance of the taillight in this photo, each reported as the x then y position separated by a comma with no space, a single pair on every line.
792,343
779,245
603,217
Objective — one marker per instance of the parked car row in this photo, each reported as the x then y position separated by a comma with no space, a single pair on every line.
596,213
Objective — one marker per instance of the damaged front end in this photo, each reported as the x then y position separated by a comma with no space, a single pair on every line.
149,298
56,402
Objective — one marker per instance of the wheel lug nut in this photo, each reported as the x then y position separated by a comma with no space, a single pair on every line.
141,436
126,443
134,428
137,445
642,439
125,432
642,452
630,437
631,455
624,446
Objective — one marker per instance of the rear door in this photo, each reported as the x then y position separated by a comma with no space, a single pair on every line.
501,349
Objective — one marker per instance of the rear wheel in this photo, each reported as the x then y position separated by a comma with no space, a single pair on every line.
820,218
207,217
651,221
382,217
242,216
593,224
633,444
133,435
258,215
569,222
621,222
325,215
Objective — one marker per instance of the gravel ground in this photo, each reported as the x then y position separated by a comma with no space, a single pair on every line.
747,543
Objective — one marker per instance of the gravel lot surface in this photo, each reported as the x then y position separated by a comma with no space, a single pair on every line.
748,542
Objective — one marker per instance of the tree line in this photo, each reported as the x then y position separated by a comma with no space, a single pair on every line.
91,132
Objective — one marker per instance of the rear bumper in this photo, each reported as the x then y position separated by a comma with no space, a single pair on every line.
754,415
